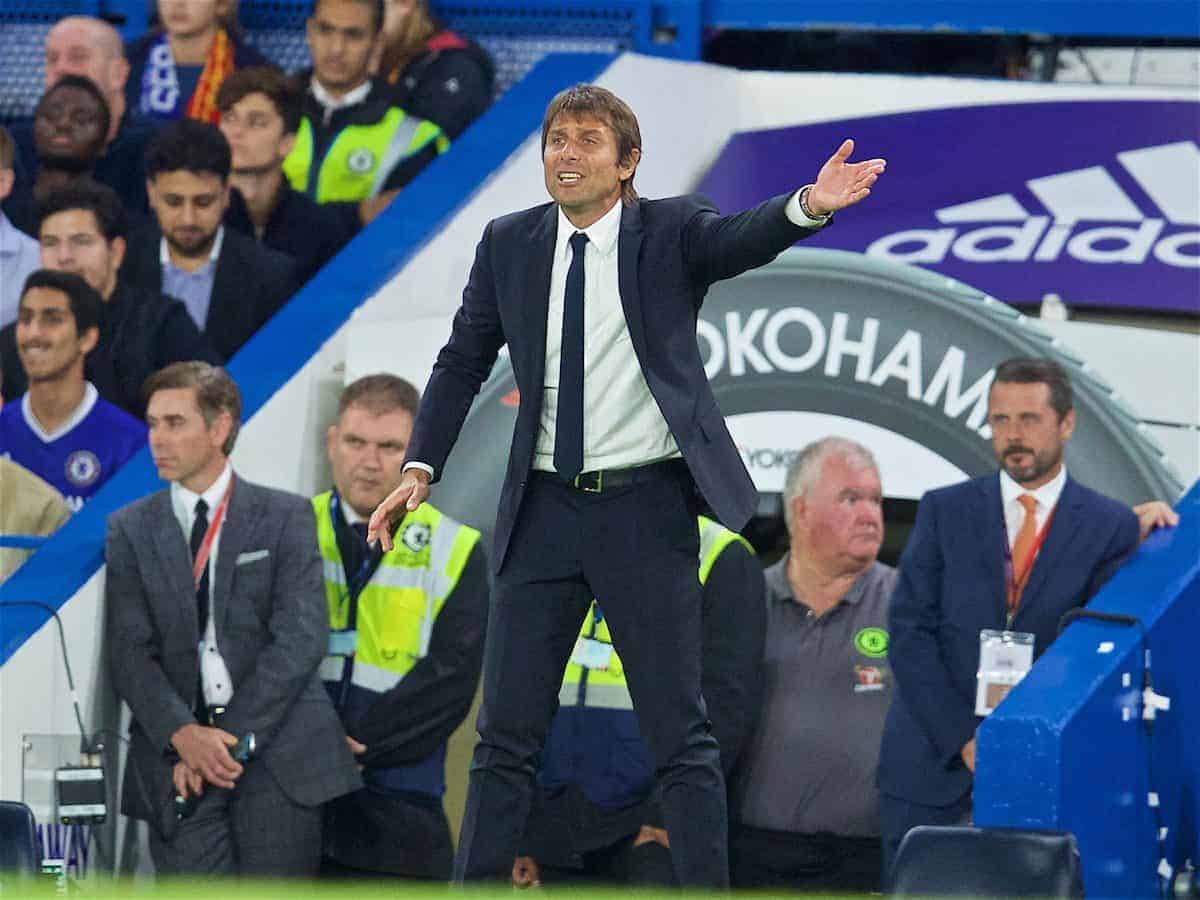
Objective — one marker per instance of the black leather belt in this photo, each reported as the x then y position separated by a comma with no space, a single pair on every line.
212,715
613,479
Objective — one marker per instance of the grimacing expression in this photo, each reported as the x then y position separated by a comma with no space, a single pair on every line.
254,130
342,35
189,207
1027,436
48,343
843,513
71,241
187,18
69,127
581,166
181,443
366,451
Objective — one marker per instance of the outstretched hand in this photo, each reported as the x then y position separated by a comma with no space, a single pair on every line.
841,183
408,495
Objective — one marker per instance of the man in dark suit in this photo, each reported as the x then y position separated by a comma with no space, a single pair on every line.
617,429
216,626
229,283
973,563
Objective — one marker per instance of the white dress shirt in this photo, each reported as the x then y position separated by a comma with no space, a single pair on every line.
1046,496
214,674
622,424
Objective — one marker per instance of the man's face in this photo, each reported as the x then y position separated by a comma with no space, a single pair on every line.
71,241
842,515
187,18
367,452
48,343
581,166
342,35
1027,435
254,130
181,443
79,47
189,207
68,128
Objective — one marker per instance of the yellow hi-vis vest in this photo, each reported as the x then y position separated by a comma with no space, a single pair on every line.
398,606
606,688
361,157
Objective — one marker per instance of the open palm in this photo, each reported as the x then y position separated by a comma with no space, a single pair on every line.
841,183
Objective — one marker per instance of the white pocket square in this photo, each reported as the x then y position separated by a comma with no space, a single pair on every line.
251,556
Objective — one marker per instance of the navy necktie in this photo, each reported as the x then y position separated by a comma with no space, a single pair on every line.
568,425
199,529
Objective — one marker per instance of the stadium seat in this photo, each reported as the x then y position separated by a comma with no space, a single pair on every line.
18,842
962,861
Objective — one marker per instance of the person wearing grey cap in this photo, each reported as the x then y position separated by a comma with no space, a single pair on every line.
804,809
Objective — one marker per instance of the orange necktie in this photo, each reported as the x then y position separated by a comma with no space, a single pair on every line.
1022,551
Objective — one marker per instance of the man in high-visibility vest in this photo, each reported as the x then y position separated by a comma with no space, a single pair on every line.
355,146
405,646
596,814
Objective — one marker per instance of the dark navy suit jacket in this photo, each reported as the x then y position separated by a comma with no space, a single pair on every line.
952,586
668,253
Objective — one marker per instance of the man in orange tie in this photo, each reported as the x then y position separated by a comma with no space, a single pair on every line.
1004,553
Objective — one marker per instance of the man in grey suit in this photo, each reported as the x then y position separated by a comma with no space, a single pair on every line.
216,626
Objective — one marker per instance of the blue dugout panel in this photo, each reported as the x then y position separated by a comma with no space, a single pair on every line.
1069,748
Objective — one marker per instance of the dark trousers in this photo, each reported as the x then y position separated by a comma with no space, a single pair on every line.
253,830
635,550
897,817
763,858
646,865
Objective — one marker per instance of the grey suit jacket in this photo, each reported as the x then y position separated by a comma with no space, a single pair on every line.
272,628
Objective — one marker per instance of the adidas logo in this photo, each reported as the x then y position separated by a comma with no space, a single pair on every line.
1168,175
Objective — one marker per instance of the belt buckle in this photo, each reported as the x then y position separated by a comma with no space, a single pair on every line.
590,482
214,715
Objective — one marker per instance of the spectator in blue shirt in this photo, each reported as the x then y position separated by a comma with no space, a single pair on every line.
61,430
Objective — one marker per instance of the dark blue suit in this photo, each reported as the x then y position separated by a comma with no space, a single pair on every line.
951,587
634,548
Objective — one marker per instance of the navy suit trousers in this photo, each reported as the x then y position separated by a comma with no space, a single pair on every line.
635,549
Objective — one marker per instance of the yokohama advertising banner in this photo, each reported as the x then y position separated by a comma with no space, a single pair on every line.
824,342
1098,202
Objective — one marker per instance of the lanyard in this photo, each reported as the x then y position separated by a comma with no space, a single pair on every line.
1015,582
201,560
366,569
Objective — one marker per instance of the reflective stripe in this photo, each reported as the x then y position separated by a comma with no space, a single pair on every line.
568,694
332,668
333,572
373,678
396,151
607,696
405,577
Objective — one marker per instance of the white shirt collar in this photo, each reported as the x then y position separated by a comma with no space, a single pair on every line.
332,103
1047,495
602,233
185,500
164,253
90,396
348,512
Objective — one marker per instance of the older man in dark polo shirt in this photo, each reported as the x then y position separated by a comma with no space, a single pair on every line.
804,807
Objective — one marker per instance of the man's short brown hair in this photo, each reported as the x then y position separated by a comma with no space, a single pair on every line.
216,392
1036,370
280,89
380,394
593,100
7,151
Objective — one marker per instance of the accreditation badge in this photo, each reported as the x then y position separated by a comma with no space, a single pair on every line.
591,654
1005,657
